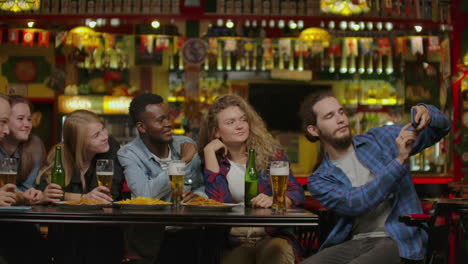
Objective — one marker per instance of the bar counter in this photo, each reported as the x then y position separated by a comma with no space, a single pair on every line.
237,216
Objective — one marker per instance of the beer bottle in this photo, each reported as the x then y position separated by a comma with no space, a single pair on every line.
58,173
251,179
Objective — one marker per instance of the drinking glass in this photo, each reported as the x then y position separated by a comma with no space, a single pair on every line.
279,173
8,171
176,179
104,172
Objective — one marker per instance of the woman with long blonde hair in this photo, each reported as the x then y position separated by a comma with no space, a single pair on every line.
230,128
85,140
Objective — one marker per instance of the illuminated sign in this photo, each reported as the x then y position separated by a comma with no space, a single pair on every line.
68,104
116,104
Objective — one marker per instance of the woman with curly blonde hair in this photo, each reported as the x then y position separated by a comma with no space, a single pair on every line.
232,127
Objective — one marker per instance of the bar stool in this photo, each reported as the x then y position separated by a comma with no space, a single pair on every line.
438,235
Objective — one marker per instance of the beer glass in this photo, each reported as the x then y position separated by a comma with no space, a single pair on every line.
176,178
279,173
8,171
104,172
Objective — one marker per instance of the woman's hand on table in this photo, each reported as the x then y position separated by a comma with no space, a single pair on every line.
7,195
52,193
33,196
262,200
100,193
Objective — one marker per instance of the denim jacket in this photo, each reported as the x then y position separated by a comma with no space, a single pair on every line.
144,175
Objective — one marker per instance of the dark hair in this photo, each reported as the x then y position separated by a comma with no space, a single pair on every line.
308,116
139,103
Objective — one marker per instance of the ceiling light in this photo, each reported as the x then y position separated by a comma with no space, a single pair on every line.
300,24
292,24
229,24
92,24
388,26
115,22
281,23
155,24
272,23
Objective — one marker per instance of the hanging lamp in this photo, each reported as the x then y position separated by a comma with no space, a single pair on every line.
19,5
344,7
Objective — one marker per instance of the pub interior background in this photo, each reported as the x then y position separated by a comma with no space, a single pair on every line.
380,57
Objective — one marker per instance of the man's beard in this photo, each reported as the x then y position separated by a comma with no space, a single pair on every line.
342,143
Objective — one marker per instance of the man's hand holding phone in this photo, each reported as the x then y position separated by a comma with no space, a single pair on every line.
420,117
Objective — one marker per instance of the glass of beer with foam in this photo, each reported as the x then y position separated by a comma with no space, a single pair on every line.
176,173
8,171
105,172
279,173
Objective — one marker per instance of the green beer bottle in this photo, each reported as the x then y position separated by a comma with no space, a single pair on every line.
58,173
251,179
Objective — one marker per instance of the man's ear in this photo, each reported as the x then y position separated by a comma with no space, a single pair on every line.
313,130
140,127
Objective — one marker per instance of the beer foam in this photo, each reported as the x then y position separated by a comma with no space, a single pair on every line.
8,172
279,171
110,173
177,169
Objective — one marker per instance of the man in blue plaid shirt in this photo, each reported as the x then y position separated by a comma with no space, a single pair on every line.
365,180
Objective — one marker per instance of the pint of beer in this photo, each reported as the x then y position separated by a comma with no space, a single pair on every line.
8,171
176,178
104,178
279,172
104,172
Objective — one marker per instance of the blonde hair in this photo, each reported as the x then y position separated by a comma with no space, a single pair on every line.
74,131
259,138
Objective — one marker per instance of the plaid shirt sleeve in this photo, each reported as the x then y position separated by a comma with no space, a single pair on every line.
437,129
216,185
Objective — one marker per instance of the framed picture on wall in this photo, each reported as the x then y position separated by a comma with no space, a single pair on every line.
17,89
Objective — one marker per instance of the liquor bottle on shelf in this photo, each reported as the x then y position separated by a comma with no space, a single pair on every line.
91,6
45,6
254,56
81,6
